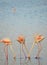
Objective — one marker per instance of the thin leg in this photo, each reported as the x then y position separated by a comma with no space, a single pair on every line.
39,49
14,54
23,51
27,51
6,53
31,49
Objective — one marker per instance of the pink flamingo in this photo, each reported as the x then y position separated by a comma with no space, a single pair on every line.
21,40
37,39
14,10
7,42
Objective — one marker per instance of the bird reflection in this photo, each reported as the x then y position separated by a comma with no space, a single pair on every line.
39,62
27,62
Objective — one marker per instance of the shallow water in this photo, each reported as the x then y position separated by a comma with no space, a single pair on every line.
29,18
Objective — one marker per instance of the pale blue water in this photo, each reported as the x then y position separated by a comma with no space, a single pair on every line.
30,18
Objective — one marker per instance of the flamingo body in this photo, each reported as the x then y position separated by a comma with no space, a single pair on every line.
20,39
6,41
38,38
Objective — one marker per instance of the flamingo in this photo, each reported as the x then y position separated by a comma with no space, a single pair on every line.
14,10
7,42
21,40
37,39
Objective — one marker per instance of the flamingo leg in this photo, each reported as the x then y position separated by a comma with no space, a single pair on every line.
23,51
6,53
25,48
27,51
14,54
31,48
39,49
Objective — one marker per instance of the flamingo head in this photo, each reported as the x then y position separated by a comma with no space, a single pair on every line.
21,39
